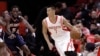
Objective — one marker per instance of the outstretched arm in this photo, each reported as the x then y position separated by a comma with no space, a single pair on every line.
75,32
28,25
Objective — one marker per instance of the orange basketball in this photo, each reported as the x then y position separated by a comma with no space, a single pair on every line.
75,35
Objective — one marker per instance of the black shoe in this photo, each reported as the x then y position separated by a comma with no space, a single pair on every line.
70,53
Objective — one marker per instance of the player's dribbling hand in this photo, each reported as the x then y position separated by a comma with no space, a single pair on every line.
12,36
50,45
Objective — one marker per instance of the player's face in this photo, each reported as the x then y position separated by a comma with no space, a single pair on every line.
15,12
94,14
6,15
50,11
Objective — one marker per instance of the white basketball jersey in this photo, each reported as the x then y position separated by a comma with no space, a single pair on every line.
56,29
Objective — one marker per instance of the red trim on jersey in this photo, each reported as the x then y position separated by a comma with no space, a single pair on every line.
63,26
47,26
55,18
51,22
77,45
61,21
70,43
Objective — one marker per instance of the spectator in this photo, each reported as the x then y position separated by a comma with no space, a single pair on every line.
65,11
93,28
89,49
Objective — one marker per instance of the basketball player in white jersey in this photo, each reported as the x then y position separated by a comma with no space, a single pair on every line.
53,23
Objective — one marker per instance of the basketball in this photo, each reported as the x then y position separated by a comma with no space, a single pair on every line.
75,35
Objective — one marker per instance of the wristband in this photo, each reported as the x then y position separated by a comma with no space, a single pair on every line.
1,40
34,34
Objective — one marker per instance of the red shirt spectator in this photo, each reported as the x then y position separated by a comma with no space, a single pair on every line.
22,29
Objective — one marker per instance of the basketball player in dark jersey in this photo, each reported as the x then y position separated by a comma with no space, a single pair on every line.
12,37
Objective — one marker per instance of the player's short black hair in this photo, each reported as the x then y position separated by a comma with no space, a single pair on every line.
70,53
15,6
51,6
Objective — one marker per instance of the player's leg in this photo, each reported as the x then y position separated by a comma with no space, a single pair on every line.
20,43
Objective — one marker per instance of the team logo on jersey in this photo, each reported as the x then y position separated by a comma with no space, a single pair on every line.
55,28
